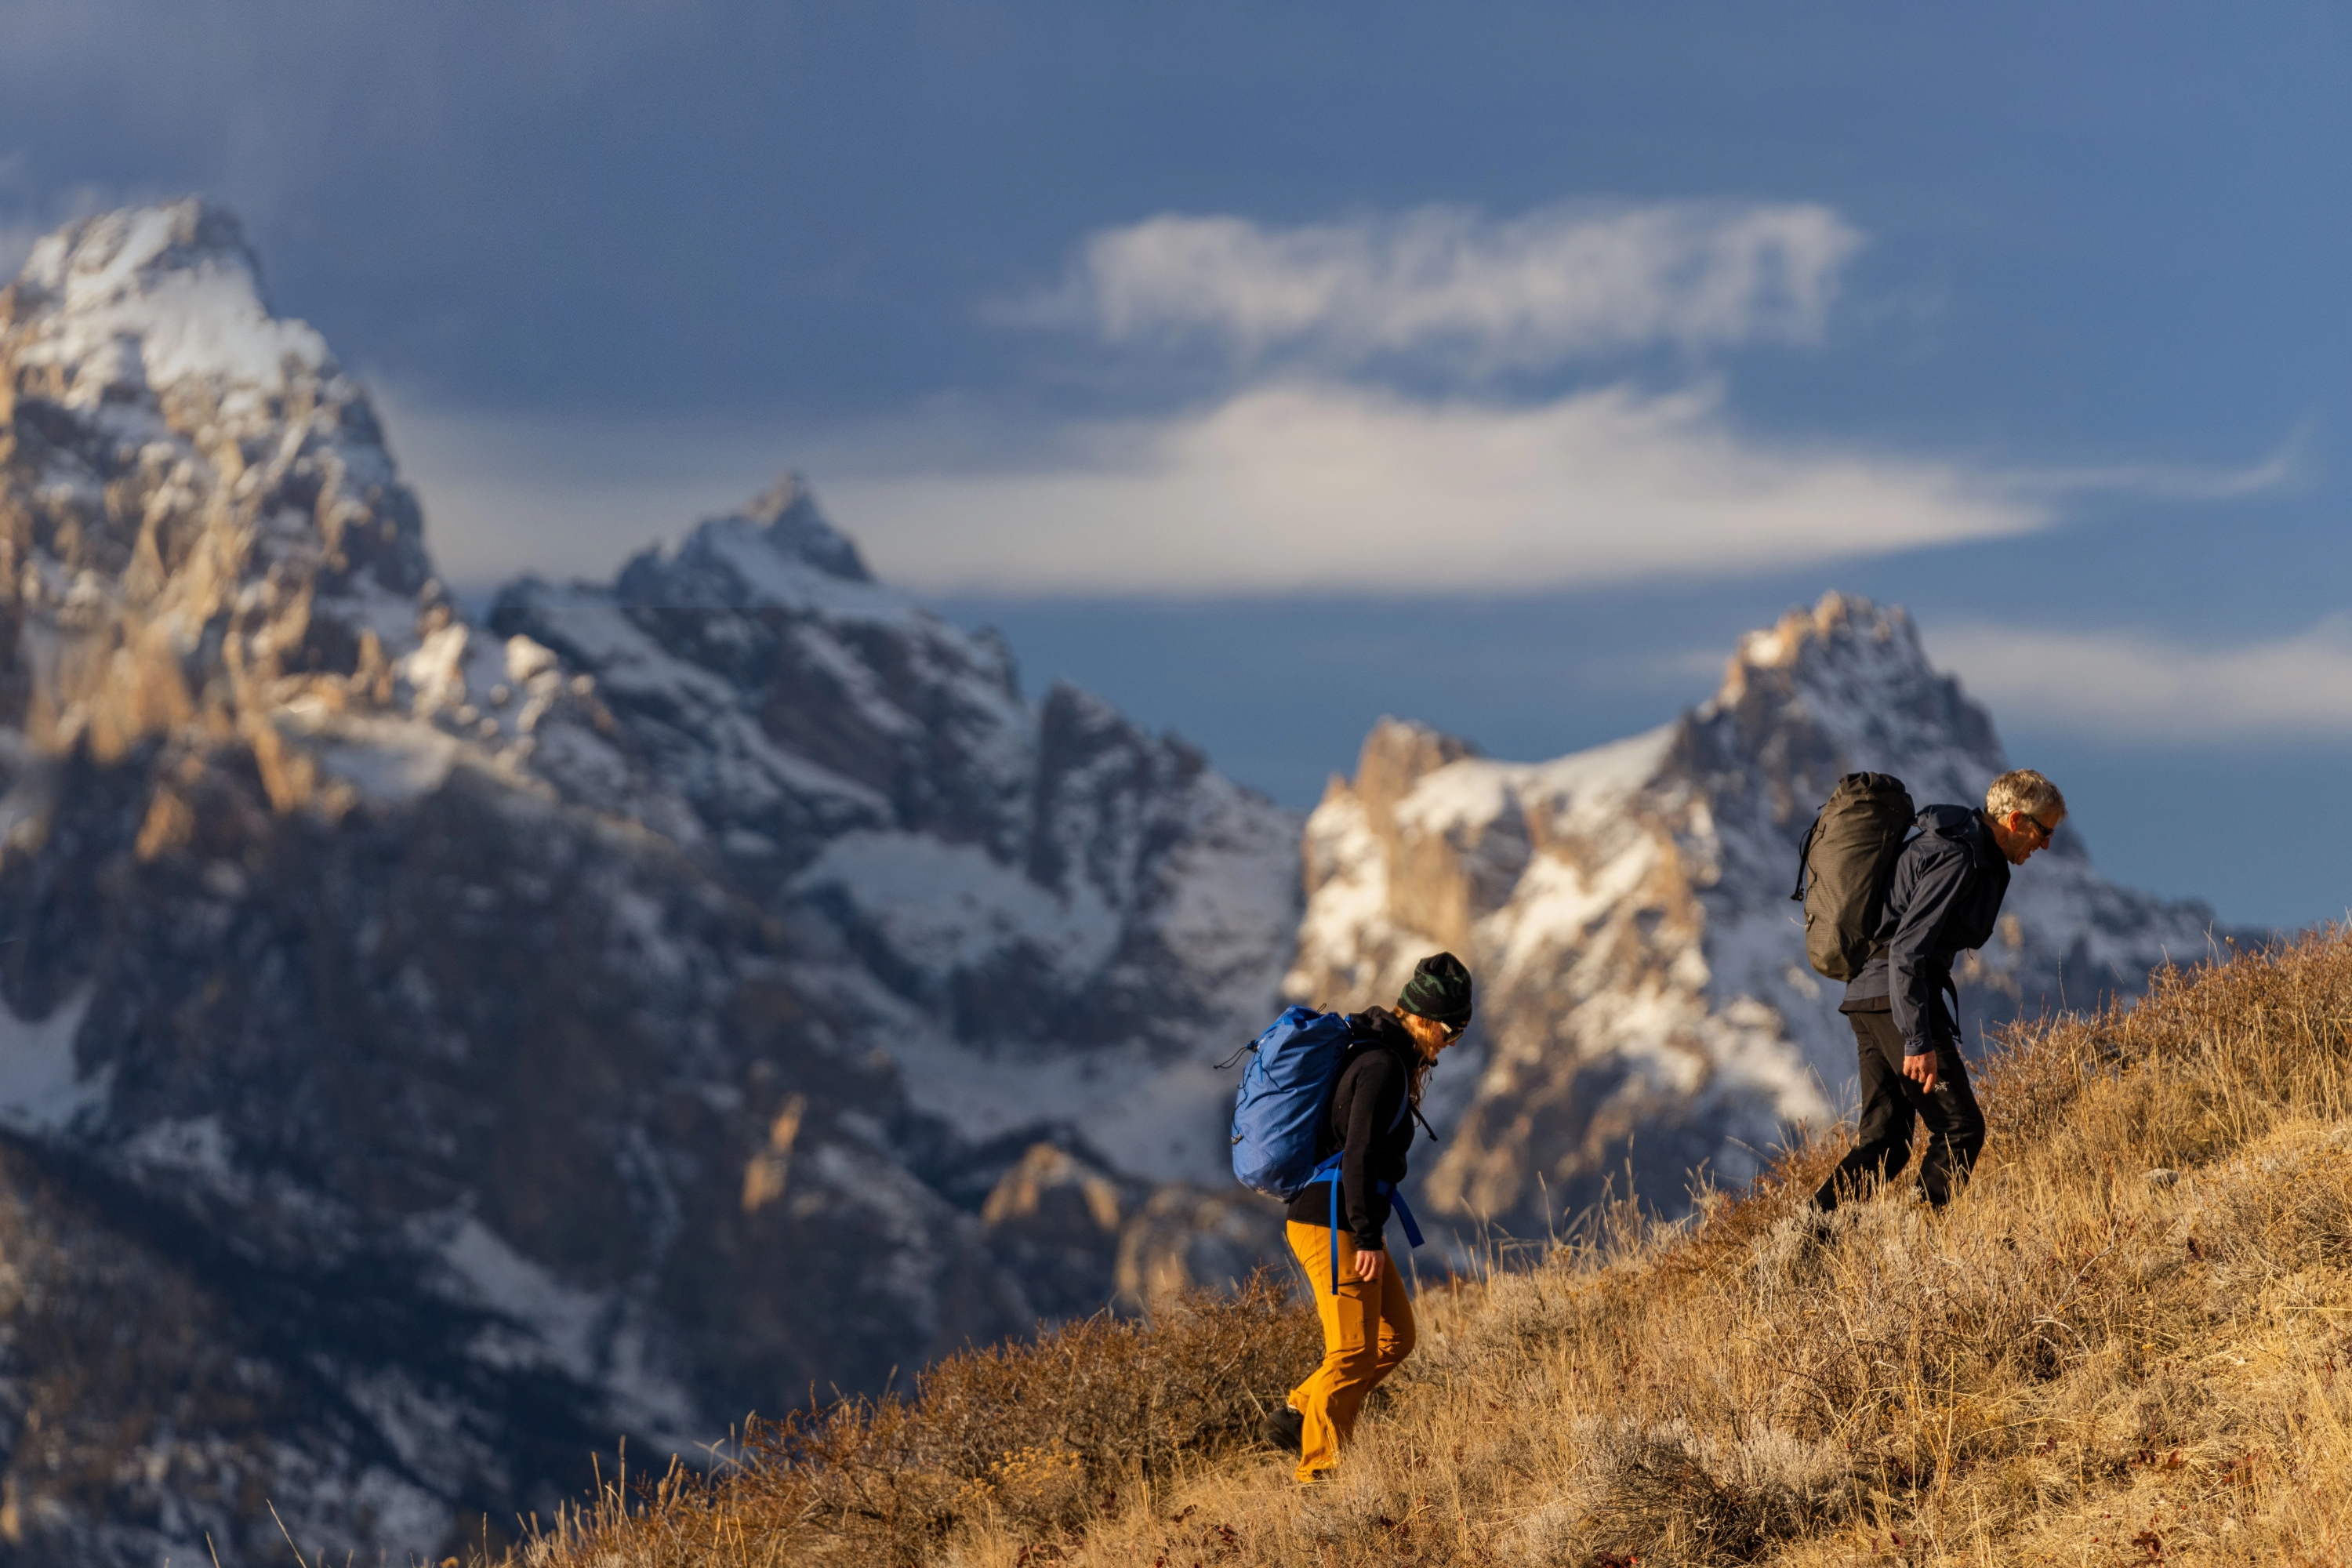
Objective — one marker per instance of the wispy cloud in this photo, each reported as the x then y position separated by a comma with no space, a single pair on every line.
1526,292
2135,686
1307,484
2290,465
1307,471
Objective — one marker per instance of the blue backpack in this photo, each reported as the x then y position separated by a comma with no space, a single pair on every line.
1278,1116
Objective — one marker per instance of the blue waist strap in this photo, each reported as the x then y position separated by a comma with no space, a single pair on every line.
1331,1169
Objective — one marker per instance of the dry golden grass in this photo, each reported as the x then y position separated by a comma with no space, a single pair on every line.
2127,1344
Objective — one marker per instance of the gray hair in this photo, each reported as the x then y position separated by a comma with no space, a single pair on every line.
2022,789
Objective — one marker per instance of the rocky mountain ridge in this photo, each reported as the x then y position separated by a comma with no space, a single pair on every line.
434,1046
434,1050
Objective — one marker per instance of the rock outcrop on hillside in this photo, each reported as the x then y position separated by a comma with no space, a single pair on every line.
432,1049
1646,1006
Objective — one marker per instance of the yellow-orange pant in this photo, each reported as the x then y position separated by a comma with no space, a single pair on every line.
1366,1330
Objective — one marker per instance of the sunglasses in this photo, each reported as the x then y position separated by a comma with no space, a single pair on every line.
2046,831
1454,1031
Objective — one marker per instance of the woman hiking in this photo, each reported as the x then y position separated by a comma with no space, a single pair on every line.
1367,1319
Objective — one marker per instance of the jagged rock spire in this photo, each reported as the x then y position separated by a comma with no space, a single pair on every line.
788,512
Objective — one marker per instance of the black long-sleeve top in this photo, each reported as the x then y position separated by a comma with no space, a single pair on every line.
1945,898
1370,1127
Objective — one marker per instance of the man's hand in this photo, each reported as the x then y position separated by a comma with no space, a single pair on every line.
1921,1069
1368,1264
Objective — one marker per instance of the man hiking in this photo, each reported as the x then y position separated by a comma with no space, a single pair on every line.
1945,898
1367,1316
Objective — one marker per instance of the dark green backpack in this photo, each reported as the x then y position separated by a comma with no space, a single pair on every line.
1845,867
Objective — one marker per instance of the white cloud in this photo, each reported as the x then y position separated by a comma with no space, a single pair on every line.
1533,292
1300,485
2290,465
1289,485
2132,685
1304,472
1282,485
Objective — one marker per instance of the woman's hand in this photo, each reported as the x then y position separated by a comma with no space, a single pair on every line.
1368,1264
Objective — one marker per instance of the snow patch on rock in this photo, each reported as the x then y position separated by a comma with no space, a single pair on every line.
42,1088
602,1341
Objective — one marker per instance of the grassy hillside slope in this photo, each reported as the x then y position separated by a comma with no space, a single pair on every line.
2130,1342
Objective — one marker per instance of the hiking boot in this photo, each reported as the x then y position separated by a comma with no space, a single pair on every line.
1286,1429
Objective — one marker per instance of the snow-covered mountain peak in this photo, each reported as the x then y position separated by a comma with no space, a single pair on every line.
149,299
199,522
1844,687
787,511
778,552
1831,628
1838,663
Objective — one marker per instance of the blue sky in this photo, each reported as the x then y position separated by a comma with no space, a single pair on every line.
1270,367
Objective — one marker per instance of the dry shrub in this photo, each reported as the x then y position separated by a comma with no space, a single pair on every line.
1127,1398
1031,1439
1669,1495
2129,1343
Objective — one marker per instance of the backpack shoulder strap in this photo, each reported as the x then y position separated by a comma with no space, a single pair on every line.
1359,1043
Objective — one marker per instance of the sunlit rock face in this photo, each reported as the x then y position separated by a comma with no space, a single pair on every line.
433,1049
1645,1008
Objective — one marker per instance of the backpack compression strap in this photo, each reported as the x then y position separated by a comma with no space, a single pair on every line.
1803,852
1331,1168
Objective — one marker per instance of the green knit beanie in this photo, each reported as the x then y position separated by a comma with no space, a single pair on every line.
1439,989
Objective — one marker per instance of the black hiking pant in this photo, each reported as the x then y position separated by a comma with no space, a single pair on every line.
1891,1102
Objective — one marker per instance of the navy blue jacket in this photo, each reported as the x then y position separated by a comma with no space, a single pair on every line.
1949,884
